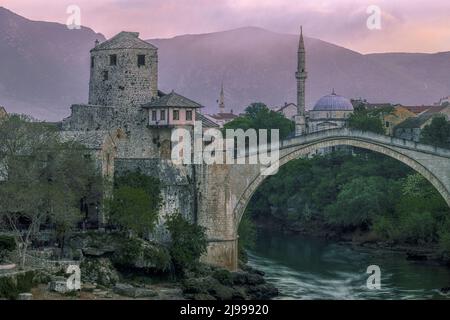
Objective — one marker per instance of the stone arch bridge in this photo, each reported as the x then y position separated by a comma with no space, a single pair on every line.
223,191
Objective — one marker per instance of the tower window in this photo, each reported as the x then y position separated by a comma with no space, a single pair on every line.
105,75
176,115
153,115
163,115
189,115
92,62
113,59
141,60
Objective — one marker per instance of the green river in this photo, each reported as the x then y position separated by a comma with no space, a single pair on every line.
307,268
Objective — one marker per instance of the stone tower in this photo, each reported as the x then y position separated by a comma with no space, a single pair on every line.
222,101
301,75
124,71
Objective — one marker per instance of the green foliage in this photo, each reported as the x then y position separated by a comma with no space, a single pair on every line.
437,133
7,244
135,202
247,232
417,227
128,251
46,179
359,201
259,116
369,120
419,212
247,236
223,276
364,190
304,189
444,238
10,287
188,243
134,253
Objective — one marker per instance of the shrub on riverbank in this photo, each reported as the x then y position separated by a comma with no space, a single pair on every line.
188,242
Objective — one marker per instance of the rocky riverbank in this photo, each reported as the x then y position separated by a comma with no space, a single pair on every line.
116,268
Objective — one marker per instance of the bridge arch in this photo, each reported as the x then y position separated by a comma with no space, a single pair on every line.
295,151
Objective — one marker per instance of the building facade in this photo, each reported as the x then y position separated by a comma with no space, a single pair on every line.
128,122
411,128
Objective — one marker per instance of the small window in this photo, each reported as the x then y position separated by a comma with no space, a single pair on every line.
92,62
141,60
153,115
189,115
176,115
105,75
387,124
163,115
113,59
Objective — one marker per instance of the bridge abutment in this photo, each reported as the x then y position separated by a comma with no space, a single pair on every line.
222,253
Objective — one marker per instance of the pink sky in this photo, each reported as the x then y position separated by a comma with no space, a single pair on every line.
407,25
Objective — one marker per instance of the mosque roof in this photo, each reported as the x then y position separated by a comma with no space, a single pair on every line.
333,102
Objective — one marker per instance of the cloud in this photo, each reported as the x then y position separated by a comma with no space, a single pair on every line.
407,25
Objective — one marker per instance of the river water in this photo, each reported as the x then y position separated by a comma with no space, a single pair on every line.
308,268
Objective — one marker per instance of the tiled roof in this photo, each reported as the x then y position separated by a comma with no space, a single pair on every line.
414,122
206,122
125,40
223,116
419,120
172,99
417,109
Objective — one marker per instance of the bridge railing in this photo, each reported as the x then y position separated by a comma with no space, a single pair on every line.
366,135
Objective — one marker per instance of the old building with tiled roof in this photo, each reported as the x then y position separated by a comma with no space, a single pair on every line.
411,128
418,109
128,122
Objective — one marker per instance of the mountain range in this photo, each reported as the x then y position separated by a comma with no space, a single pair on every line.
44,68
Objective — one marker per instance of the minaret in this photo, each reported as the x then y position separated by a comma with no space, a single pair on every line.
222,101
301,75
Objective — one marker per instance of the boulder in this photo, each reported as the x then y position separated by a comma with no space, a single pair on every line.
199,285
100,271
128,290
25,296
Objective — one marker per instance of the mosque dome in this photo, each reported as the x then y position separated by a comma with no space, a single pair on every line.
333,102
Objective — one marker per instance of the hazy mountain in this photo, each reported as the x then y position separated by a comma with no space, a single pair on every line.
259,65
44,67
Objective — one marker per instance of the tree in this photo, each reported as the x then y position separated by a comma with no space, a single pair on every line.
359,202
135,202
437,133
188,242
259,116
369,120
40,184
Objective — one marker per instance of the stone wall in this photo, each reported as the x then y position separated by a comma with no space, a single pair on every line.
126,83
178,189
